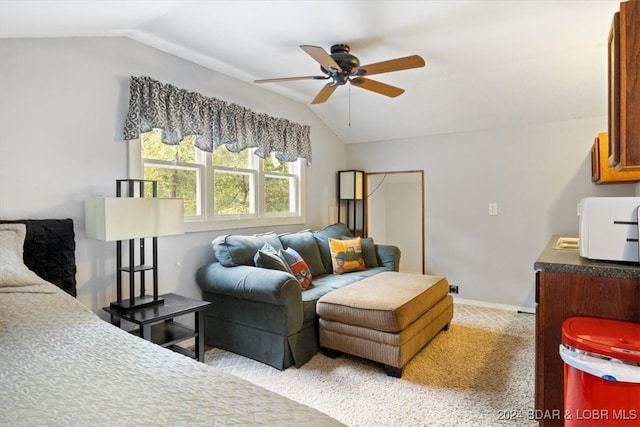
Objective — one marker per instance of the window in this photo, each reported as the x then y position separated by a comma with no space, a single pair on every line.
221,189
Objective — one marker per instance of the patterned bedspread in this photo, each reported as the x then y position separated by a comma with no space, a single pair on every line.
60,364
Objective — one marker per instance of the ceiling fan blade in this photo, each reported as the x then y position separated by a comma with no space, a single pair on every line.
398,64
321,56
324,93
289,79
378,87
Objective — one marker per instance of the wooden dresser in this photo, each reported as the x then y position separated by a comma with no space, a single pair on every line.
568,285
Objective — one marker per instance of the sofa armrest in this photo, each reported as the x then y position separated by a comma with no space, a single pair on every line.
250,283
388,256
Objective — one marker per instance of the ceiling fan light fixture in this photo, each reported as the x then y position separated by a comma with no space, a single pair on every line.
340,54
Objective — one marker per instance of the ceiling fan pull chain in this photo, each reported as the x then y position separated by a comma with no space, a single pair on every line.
349,105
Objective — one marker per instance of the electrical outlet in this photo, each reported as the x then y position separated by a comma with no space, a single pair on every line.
453,289
493,209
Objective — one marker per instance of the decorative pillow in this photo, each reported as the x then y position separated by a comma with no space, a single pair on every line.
12,238
305,244
50,252
346,255
368,251
13,272
298,267
268,257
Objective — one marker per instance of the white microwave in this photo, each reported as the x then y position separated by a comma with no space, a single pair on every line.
608,228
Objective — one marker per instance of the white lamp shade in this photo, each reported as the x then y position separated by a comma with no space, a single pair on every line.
122,218
351,185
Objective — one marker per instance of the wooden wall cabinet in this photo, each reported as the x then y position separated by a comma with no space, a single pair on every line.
601,172
624,88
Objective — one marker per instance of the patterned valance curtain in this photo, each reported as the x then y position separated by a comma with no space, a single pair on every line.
179,113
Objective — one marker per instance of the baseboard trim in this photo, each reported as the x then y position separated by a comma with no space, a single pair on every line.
527,310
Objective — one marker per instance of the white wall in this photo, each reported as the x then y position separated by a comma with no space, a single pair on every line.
62,108
401,227
403,195
63,104
536,175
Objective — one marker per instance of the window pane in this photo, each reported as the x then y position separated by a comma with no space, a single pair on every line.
232,193
224,157
154,148
277,195
273,165
176,183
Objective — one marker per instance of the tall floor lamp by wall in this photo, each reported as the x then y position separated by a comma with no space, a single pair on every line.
351,200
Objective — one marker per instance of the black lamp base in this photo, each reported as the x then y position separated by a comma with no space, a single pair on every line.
138,303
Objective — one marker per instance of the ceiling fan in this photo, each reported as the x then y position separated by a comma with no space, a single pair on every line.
341,68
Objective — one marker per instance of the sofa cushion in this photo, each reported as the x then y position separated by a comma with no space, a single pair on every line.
268,257
368,251
232,250
305,244
297,266
271,238
346,255
329,282
335,231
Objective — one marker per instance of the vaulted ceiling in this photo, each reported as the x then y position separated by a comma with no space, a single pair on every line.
489,64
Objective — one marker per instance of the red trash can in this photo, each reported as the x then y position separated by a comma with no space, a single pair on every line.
601,372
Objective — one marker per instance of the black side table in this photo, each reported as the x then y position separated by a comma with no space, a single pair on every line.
156,324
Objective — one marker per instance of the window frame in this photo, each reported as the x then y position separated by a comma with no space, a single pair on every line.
204,222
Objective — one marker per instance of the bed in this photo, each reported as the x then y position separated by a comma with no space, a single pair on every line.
60,364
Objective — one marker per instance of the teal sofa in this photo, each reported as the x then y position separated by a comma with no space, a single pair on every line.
263,313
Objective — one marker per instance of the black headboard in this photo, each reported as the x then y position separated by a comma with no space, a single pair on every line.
50,251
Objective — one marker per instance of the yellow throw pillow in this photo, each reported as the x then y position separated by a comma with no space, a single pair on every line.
346,255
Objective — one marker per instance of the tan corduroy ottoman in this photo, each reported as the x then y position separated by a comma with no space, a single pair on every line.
387,318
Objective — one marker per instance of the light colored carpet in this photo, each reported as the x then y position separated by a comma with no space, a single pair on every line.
479,373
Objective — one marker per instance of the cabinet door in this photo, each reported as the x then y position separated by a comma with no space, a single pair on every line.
595,162
614,92
624,88
601,173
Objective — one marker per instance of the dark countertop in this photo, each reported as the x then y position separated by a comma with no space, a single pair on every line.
570,261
